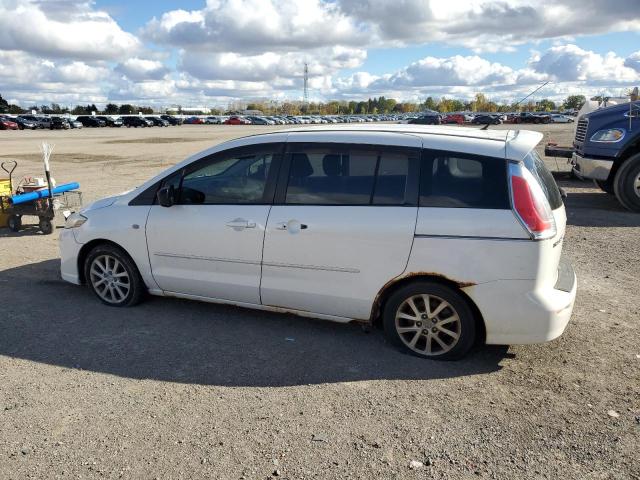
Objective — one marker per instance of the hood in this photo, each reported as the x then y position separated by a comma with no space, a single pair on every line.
103,202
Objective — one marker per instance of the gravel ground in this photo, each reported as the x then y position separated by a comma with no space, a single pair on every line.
177,389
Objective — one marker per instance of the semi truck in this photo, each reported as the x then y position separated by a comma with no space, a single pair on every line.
606,149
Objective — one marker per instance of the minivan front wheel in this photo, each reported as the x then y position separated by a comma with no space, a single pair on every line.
430,320
113,277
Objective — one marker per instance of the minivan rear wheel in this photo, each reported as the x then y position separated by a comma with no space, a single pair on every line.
429,320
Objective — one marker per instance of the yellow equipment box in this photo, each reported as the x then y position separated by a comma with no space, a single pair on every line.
5,190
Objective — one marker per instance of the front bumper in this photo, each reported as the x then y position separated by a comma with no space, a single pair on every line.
585,167
519,312
69,251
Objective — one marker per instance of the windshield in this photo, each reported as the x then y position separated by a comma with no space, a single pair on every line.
536,166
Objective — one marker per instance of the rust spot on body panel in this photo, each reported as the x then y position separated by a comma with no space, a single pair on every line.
375,310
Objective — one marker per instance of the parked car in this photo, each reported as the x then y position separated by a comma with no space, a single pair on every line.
171,119
236,120
74,123
559,118
7,123
24,122
486,119
59,123
194,121
91,121
41,122
467,248
260,121
158,122
111,121
529,117
137,122
454,118
431,119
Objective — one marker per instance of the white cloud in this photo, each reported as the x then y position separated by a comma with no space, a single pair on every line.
63,29
572,63
140,69
256,26
489,25
270,66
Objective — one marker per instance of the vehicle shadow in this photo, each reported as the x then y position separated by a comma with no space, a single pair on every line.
50,321
587,206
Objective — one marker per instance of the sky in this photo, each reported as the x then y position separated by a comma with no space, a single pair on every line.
213,53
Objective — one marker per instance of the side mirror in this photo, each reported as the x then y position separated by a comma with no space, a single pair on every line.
166,196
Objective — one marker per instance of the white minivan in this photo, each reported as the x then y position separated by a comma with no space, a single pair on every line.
446,236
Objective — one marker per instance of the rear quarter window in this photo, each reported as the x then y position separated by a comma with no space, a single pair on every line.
455,180
536,166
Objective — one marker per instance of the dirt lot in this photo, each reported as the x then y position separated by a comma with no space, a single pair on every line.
178,389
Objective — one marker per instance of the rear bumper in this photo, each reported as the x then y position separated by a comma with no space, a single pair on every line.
596,169
516,312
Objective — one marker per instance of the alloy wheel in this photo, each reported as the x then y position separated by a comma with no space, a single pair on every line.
110,279
428,324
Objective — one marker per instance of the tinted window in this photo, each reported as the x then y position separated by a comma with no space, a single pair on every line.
227,179
347,176
463,181
536,166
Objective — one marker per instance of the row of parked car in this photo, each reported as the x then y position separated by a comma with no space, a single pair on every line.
33,122
428,118
435,118
288,119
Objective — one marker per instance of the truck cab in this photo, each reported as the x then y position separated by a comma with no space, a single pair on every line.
606,149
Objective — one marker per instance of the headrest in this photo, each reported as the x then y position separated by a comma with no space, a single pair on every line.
300,166
331,165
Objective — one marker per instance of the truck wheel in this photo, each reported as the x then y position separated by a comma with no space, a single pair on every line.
15,223
627,183
605,186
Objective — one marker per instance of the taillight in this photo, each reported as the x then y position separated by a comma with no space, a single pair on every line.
530,203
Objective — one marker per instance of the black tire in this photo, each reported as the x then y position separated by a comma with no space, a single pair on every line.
14,223
46,226
626,183
464,327
605,186
136,286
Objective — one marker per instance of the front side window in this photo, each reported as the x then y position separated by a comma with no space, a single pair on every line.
347,176
463,181
231,178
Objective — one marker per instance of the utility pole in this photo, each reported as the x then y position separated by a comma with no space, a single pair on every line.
305,98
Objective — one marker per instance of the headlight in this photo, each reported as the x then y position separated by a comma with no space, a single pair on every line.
608,136
75,220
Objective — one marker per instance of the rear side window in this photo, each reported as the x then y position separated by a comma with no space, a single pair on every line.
536,166
347,176
457,180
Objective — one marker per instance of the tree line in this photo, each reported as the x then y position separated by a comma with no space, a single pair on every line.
375,105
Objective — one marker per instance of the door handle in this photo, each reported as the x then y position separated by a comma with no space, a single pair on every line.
241,224
292,225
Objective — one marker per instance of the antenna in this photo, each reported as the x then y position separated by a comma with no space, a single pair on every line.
544,84
305,97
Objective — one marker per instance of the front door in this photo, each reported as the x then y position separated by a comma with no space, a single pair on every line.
342,225
209,244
